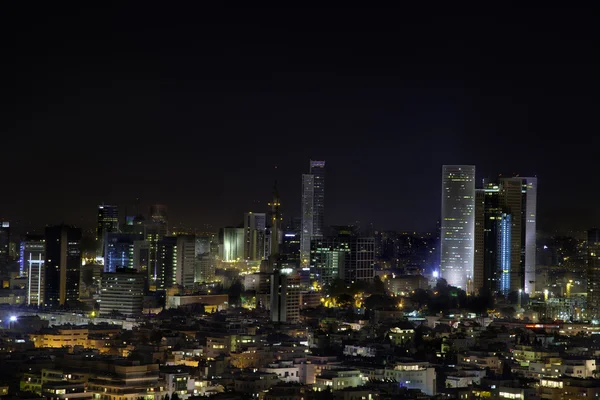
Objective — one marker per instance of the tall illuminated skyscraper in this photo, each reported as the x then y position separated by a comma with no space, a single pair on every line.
504,252
529,185
108,222
308,195
458,225
313,208
317,169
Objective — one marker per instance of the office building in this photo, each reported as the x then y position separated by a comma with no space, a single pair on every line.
33,254
108,222
62,265
344,254
276,231
119,250
254,236
231,244
205,267
317,170
204,243
166,272
458,225
122,292
517,197
153,234
4,242
141,256
285,296
308,195
593,274
529,190
504,252
185,267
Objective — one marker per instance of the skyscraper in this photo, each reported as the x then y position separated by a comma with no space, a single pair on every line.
308,206
255,225
154,231
33,254
593,274
62,265
4,242
504,252
458,225
108,221
530,216
317,170
231,244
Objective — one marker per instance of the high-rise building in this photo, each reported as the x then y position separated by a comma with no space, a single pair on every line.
62,265
4,242
119,250
504,247
308,207
285,296
141,256
33,254
313,208
516,197
458,225
108,222
204,243
166,273
317,170
122,293
530,223
205,267
255,226
345,255
185,272
593,274
231,244
153,234
276,223
479,281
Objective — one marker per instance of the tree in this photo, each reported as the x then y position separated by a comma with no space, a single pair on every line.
175,396
235,292
378,285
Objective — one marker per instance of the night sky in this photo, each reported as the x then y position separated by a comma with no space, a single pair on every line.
193,107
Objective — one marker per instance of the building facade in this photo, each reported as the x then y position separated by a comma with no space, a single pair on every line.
122,292
255,226
285,296
33,255
108,221
231,244
458,225
62,265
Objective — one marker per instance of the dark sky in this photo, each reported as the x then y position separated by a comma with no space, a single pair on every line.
193,107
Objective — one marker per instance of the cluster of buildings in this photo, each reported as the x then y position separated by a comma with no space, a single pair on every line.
488,234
